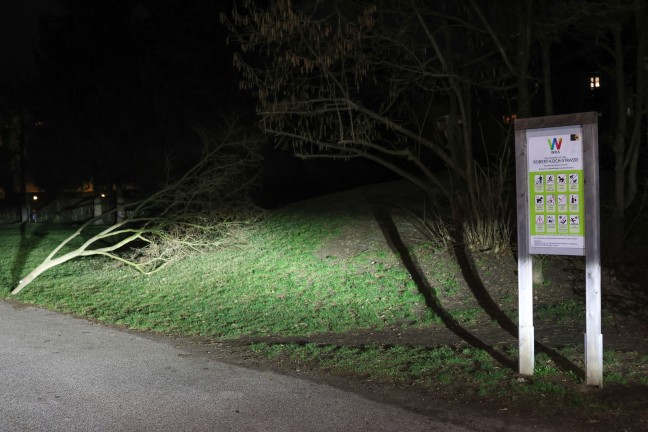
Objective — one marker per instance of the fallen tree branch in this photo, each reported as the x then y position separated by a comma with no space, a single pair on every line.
201,210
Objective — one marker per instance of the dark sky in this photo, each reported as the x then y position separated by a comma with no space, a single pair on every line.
19,38
189,66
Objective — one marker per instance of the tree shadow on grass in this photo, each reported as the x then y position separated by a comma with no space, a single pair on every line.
483,297
395,242
27,244
624,286
475,284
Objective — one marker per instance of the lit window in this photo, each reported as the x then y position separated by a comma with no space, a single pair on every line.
595,82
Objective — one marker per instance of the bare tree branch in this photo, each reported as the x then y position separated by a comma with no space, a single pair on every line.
202,209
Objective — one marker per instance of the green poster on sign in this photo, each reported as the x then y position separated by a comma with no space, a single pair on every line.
556,205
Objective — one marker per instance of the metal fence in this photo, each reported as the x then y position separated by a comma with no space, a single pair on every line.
76,207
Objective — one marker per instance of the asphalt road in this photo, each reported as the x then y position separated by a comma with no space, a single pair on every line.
60,373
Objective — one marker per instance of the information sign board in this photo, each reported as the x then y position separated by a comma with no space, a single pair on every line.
556,159
556,205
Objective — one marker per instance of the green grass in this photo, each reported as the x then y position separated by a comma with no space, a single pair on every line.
402,364
468,372
564,311
273,285
276,285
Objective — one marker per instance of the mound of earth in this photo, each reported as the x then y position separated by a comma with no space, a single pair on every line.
390,216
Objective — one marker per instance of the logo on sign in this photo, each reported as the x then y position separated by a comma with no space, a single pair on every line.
554,145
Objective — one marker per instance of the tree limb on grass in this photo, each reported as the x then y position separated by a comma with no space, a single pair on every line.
200,210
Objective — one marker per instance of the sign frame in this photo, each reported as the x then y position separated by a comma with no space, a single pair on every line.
529,131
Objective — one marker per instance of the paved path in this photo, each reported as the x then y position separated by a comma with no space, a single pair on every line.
59,373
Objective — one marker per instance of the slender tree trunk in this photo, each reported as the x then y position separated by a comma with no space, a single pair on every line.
467,141
525,17
98,210
460,139
120,214
617,227
24,209
546,77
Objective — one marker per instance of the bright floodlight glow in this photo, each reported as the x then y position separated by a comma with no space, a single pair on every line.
35,197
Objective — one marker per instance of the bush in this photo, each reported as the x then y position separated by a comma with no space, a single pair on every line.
480,222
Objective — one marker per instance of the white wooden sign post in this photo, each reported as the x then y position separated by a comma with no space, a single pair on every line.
557,182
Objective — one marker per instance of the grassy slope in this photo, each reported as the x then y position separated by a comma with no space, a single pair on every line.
273,285
276,285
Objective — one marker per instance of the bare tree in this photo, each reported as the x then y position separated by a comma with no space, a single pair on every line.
393,84
203,209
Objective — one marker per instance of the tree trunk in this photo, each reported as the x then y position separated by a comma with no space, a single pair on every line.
538,270
467,141
24,208
120,214
525,17
617,222
98,210
546,77
639,105
617,227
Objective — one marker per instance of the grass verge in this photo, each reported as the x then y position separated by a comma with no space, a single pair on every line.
275,285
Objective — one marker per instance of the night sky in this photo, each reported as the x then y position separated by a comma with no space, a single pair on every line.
19,39
144,81
122,83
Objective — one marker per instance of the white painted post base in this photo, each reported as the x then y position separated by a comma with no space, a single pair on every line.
526,347
594,359
526,334
593,336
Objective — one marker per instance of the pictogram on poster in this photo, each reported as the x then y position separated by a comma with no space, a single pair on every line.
556,190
